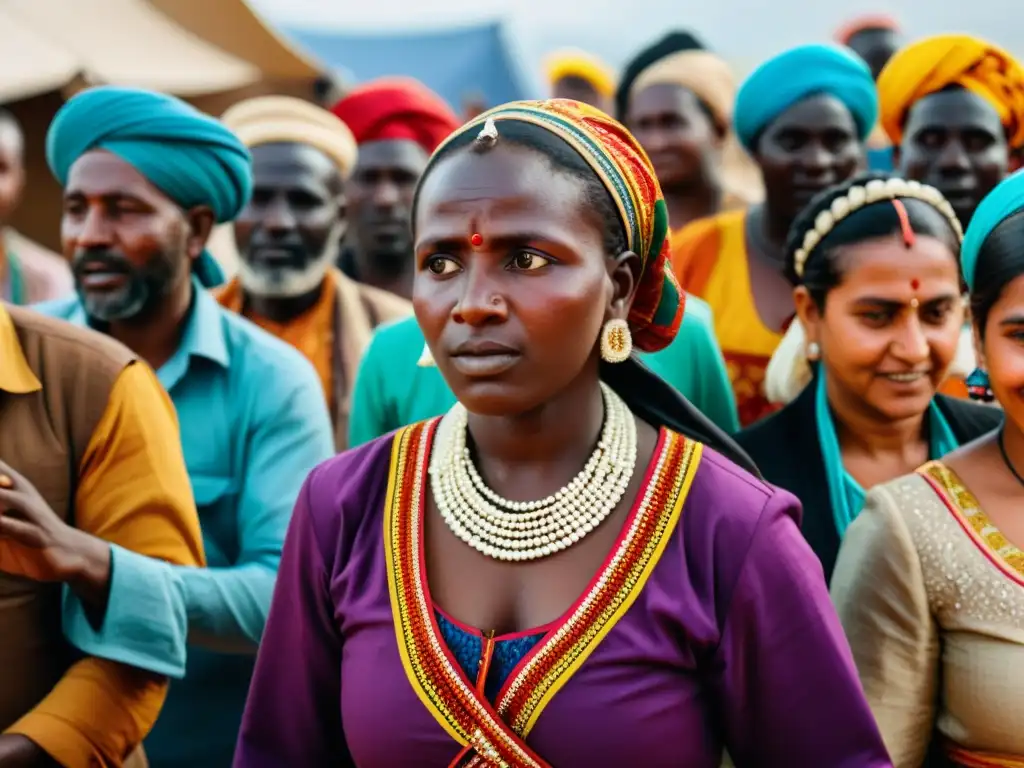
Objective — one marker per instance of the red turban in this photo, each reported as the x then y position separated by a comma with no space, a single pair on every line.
397,108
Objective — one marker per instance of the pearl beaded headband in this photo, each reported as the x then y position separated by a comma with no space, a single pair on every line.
872,192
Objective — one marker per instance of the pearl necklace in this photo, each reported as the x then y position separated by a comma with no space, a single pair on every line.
528,530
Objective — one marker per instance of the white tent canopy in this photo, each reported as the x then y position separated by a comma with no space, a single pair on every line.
129,42
32,63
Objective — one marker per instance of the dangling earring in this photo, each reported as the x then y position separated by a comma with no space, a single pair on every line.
978,386
813,351
426,359
616,341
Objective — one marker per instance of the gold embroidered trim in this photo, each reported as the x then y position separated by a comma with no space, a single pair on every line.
973,517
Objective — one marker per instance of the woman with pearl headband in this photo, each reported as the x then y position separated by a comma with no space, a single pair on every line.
877,291
930,579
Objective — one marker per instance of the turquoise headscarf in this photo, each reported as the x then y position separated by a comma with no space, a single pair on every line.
191,157
797,74
846,494
1001,203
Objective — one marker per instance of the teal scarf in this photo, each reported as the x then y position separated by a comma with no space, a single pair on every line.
15,280
844,492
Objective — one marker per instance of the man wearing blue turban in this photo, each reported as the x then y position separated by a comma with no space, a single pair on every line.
145,179
803,116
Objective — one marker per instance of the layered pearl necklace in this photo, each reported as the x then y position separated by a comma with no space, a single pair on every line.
528,530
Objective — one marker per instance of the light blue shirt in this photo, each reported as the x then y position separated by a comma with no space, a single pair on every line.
254,422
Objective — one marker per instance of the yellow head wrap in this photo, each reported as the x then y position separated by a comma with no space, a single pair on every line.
575,63
928,66
270,119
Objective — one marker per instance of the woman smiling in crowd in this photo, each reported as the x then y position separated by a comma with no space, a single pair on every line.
930,579
463,593
877,293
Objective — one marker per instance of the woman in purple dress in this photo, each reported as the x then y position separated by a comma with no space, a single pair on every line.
462,593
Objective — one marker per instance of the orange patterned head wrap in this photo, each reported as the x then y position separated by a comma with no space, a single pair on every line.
935,63
626,172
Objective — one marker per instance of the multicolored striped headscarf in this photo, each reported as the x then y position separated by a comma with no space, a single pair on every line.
626,172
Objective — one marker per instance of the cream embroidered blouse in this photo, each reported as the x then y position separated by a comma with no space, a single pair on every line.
931,596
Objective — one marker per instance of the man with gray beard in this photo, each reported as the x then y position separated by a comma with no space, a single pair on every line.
287,238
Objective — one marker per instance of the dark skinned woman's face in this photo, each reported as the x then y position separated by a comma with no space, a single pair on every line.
514,321
808,148
676,132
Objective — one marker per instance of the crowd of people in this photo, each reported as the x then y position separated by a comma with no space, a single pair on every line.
668,421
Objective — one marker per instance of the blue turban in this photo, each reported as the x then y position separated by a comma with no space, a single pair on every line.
800,72
191,157
1000,204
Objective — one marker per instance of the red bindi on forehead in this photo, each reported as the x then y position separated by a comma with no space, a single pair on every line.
915,284
476,239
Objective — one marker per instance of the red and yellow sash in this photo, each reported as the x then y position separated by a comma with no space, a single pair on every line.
963,758
496,736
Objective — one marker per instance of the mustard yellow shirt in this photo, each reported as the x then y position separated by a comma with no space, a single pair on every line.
133,490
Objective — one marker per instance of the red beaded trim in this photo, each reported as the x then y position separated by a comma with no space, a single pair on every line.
433,673
963,758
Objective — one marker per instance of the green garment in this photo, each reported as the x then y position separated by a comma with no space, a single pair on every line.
392,391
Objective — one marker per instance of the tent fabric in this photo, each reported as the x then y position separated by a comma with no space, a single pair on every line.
233,26
144,48
33,63
468,62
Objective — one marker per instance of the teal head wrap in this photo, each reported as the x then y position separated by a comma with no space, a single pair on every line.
191,157
1000,204
801,72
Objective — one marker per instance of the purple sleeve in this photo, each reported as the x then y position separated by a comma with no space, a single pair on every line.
786,679
293,713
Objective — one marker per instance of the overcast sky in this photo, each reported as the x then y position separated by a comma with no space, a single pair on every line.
745,31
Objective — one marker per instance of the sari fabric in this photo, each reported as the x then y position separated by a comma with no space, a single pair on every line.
708,627
931,595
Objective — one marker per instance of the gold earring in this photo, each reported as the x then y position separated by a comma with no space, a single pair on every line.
426,359
616,341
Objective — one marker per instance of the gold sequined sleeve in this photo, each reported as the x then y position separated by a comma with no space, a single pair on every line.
880,594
